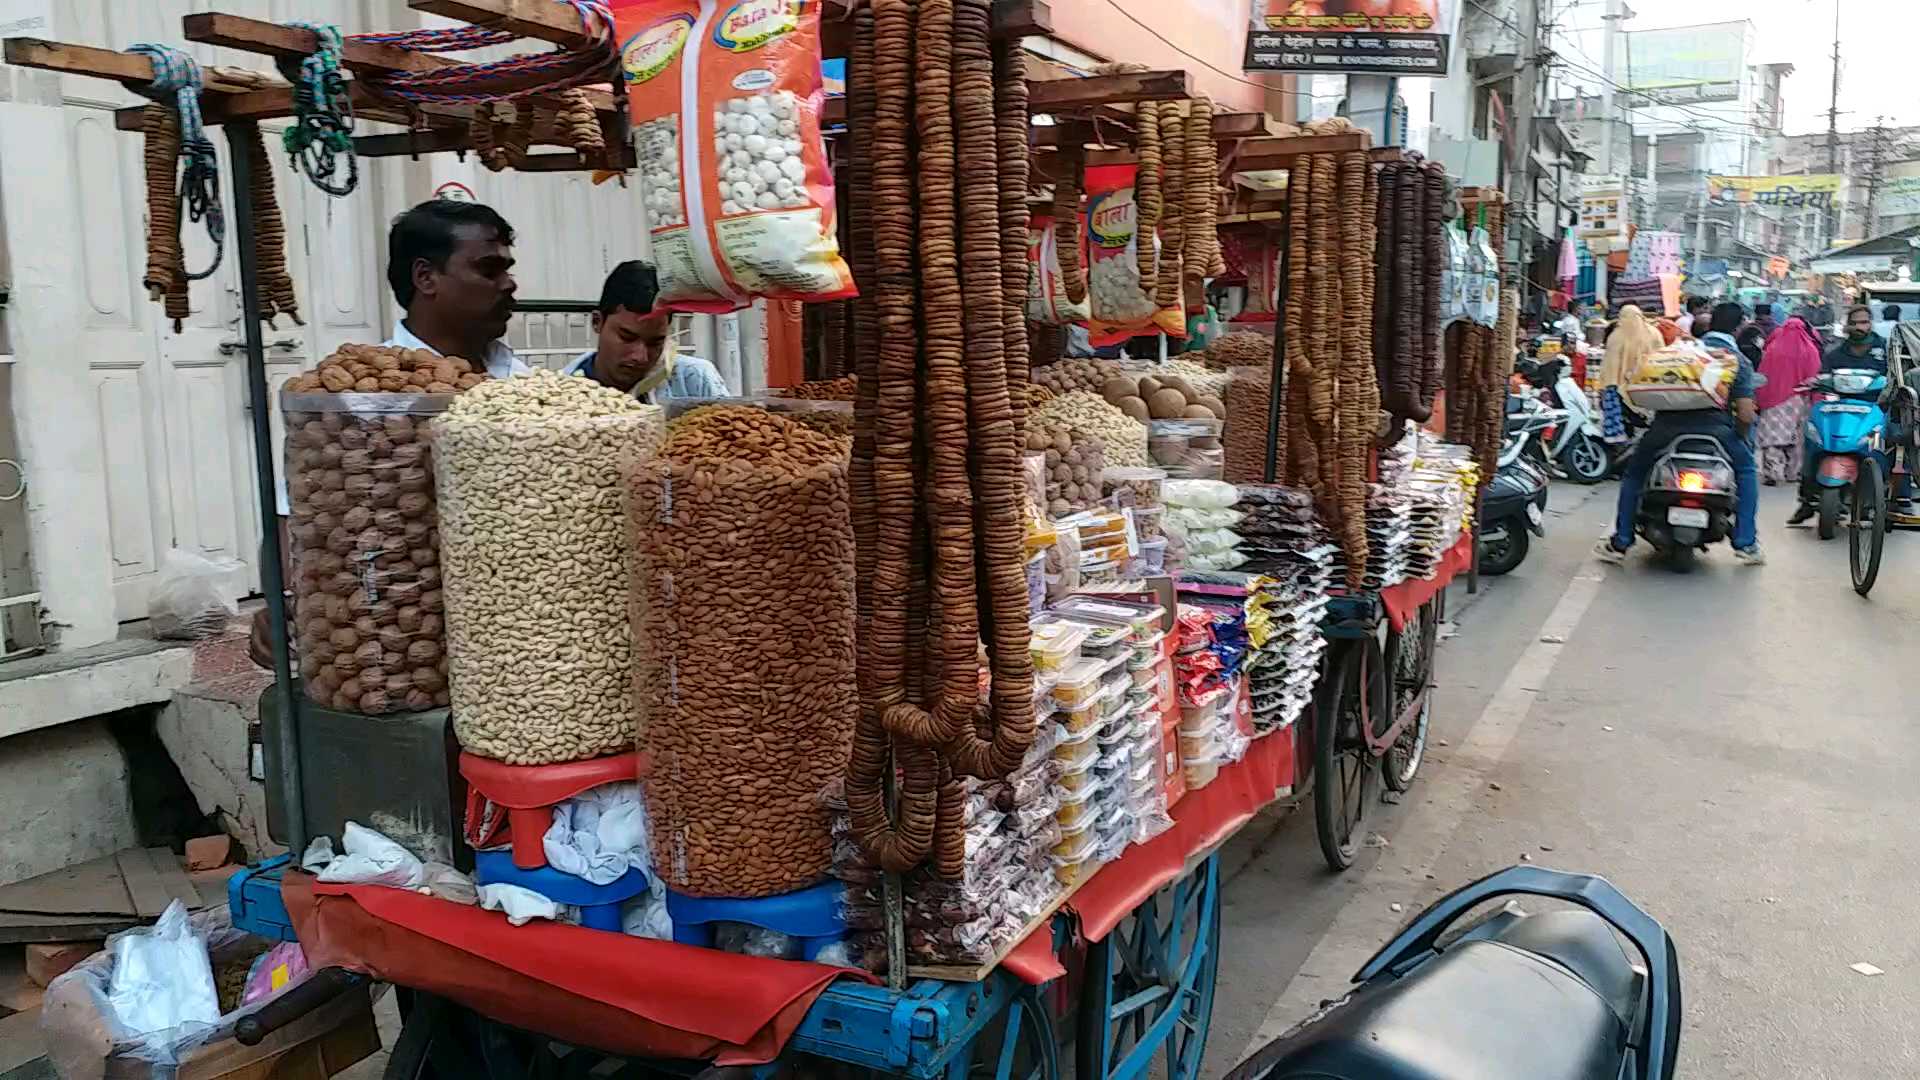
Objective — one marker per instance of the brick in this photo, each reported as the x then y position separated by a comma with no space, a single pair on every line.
48,962
209,852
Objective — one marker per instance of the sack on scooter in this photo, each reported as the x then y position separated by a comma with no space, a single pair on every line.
1681,378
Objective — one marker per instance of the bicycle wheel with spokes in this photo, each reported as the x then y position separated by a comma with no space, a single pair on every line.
1343,769
1867,529
1410,654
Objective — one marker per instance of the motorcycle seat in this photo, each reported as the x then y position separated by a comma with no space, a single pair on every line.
1551,999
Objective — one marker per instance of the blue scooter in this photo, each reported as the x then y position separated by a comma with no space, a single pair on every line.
1846,436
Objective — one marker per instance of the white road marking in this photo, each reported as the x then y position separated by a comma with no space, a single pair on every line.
1446,797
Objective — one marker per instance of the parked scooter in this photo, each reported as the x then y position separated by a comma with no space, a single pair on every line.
1845,435
1516,506
1577,445
1548,996
1688,502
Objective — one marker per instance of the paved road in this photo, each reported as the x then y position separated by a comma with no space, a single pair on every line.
1731,748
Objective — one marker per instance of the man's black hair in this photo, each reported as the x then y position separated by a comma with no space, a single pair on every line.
1698,303
1727,316
1763,311
1859,307
633,285
427,232
1891,313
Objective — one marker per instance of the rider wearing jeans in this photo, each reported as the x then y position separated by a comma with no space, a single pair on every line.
1729,428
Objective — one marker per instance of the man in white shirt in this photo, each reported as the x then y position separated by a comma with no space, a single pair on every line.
635,353
450,266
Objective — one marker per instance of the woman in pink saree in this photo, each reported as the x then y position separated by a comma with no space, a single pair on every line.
1792,356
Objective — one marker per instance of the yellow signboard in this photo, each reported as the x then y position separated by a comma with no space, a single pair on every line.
1815,191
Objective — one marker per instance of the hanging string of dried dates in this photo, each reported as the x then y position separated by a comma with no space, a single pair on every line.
936,481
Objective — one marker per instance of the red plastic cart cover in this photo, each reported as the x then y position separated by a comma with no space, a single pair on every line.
1406,598
620,994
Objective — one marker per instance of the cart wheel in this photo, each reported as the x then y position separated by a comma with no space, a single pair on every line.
1019,1044
1410,659
1149,984
1343,769
1867,529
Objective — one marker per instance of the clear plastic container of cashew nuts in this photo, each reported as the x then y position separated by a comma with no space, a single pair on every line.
533,537
365,553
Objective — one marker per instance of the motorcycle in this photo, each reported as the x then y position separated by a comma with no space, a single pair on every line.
1577,445
1546,996
1528,424
1845,436
1516,504
1688,501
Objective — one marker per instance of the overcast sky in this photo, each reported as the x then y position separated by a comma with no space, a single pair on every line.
1879,49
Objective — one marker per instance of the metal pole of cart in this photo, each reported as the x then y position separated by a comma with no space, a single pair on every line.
1277,380
260,403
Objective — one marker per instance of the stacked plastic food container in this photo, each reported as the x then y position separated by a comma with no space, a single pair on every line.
1110,695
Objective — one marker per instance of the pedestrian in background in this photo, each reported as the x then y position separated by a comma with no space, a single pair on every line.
1791,357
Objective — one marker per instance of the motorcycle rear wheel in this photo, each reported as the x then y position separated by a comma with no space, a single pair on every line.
1679,558
1867,531
1829,512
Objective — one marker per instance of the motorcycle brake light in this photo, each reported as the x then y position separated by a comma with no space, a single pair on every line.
1692,480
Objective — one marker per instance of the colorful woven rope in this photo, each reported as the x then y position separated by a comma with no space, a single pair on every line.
464,84
177,74
322,132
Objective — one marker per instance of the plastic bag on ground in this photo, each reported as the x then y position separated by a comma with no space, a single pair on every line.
277,969
162,979
82,1029
192,597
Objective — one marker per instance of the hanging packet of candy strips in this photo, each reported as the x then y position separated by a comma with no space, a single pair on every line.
725,105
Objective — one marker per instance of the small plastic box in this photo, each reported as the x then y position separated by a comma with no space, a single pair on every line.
1056,644
1200,774
1153,554
1146,653
1080,777
1143,620
1146,524
1080,682
1077,751
1071,873
1078,806
1073,840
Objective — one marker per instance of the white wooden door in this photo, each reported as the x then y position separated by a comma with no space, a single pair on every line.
174,408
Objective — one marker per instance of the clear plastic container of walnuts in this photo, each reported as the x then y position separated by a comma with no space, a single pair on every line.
368,611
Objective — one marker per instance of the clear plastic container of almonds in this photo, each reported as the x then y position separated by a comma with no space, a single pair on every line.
828,417
368,610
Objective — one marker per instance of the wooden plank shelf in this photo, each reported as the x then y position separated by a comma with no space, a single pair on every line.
1255,155
541,20
979,972
1065,95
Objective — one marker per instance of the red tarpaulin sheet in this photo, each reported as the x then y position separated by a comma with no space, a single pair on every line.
1402,600
620,994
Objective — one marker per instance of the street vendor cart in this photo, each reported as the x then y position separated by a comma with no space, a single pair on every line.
909,533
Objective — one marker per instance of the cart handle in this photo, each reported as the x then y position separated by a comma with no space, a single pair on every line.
1596,894
318,990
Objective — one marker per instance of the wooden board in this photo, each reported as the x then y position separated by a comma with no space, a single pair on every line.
1254,155
542,20
155,880
1060,95
93,899
979,972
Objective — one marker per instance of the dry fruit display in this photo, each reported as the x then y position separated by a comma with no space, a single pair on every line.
743,621
533,537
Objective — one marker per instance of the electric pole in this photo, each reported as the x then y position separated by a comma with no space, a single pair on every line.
1833,127
1526,89
1876,174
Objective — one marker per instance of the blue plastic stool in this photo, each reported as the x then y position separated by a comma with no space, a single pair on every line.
812,915
253,899
599,904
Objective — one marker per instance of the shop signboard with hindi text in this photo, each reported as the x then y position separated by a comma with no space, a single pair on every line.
1350,37
1816,191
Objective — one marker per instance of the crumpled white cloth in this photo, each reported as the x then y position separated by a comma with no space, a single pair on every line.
521,906
370,859
600,834
646,915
